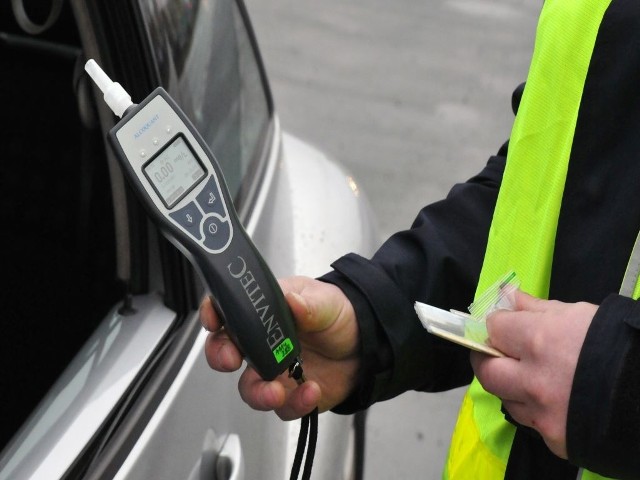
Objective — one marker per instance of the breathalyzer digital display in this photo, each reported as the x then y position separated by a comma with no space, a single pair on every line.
174,171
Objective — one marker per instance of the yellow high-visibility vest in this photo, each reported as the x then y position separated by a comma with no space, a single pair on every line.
523,229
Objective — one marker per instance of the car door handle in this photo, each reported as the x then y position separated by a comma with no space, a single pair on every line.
221,458
230,464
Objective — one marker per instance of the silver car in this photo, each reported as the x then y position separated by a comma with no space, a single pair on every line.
103,371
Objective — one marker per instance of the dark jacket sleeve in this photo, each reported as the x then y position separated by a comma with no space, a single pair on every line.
438,262
604,408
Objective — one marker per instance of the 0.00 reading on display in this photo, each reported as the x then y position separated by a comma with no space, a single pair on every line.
174,171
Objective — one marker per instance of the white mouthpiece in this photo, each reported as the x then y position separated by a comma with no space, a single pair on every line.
115,96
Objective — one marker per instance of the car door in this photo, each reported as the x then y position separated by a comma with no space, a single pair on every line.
138,400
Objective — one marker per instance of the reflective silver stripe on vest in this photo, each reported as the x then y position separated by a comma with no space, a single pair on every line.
633,271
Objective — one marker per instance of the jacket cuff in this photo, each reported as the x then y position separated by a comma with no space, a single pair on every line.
604,408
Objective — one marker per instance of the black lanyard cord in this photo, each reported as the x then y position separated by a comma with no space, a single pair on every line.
311,445
308,436
302,443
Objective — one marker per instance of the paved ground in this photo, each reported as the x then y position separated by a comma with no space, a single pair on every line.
411,96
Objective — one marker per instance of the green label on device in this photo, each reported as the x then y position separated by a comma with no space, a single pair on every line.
283,350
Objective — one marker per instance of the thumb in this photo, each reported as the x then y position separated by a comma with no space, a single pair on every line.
300,310
524,301
324,314
317,306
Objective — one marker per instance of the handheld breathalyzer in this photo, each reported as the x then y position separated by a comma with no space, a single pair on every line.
179,182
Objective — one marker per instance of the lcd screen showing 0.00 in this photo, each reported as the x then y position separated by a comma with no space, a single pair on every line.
174,171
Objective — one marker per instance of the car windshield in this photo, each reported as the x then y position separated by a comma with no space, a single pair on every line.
206,60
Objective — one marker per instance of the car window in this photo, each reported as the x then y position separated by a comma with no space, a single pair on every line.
59,250
206,61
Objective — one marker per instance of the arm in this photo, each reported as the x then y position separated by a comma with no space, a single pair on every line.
352,363
437,261
603,423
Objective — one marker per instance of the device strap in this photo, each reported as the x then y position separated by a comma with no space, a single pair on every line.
308,438
311,445
302,442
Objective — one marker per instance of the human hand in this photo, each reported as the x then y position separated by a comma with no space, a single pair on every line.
542,340
328,332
